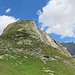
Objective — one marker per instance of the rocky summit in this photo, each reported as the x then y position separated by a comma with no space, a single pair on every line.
26,50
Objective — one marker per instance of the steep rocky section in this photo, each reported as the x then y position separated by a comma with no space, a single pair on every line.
31,28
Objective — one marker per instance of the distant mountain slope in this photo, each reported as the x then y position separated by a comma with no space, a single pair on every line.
26,50
70,47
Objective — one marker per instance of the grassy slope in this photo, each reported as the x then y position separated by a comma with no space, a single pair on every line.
33,66
22,63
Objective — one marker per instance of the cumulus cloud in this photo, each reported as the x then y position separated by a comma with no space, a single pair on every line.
59,17
8,10
5,20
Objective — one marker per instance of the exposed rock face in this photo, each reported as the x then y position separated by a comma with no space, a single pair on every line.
31,28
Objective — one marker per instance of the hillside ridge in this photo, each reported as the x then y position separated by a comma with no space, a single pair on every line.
32,29
26,50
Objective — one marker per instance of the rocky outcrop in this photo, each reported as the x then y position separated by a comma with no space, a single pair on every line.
31,28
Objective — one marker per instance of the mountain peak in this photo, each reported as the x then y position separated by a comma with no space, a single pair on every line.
29,27
20,25
25,48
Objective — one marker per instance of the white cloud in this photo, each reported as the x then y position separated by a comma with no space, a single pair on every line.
5,20
59,17
39,12
8,10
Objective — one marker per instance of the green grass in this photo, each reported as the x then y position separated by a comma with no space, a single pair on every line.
32,65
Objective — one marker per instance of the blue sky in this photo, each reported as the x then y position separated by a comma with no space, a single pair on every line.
55,17
23,9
